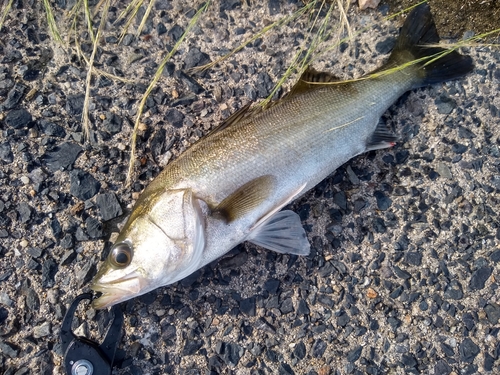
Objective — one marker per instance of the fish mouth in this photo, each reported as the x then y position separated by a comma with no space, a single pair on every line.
118,290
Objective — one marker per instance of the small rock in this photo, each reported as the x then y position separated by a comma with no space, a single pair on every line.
285,369
299,351
14,96
441,367
468,350
52,129
247,306
5,300
83,185
195,57
109,207
113,123
62,156
479,277
302,308
354,354
318,348
74,105
49,270
8,349
6,153
264,325
383,201
18,118
94,227
272,286
443,170
174,117
86,273
365,4
492,311
42,330
232,354
286,306
24,210
191,347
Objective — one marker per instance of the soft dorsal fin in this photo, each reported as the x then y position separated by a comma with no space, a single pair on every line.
246,198
310,80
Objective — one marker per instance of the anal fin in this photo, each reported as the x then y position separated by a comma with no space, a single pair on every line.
381,138
283,233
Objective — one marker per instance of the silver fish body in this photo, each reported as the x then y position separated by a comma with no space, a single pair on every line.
230,186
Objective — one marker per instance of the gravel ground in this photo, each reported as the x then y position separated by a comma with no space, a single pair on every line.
404,268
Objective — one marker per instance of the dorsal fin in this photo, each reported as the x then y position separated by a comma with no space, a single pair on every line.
309,80
235,117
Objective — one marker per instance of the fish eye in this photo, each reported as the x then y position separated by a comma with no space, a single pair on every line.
121,255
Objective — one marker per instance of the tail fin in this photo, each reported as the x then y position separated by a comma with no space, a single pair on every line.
418,31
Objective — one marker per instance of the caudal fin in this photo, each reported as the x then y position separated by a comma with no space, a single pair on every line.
417,33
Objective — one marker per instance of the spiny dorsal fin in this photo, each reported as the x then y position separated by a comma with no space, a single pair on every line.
246,198
309,80
235,117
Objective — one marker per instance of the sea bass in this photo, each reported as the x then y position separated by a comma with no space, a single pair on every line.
230,186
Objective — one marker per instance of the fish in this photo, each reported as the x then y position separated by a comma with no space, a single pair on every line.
231,185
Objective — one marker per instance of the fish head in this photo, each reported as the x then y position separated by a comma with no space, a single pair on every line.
161,243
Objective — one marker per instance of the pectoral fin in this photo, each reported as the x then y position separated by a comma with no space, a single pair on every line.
283,233
246,198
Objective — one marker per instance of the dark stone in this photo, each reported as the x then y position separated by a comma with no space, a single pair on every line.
8,349
4,314
247,306
62,156
74,105
340,200
454,291
190,279
83,185
492,311
32,300
302,308
24,210
414,258
185,100
479,277
274,7
67,241
18,118
488,362
56,228
445,104
272,286
354,354
469,321
442,368
234,261
161,29
447,350
112,123
379,225
299,351
191,347
250,92
49,270
318,348
174,117
383,201
175,33
458,148
408,360
401,273
325,300
14,96
35,252
232,354
195,57
86,273
263,325
386,46
94,227
52,129
286,306
191,83
6,152
285,369
109,207
468,350
343,319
